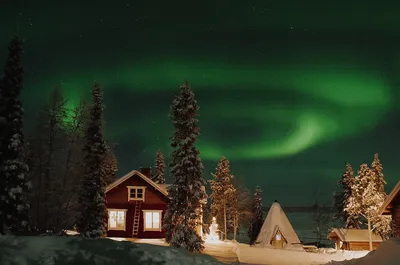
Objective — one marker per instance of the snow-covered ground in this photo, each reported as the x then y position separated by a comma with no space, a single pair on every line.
222,251
256,255
388,253
52,250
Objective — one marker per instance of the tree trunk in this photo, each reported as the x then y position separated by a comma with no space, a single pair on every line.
225,236
39,197
369,233
235,226
2,224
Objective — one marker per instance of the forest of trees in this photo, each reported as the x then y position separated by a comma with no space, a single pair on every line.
44,166
53,176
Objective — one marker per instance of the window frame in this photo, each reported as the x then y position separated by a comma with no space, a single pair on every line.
108,221
144,220
143,188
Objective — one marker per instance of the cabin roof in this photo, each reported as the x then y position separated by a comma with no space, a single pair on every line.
390,198
160,187
353,235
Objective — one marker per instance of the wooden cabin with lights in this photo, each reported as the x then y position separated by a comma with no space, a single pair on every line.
353,239
136,206
391,206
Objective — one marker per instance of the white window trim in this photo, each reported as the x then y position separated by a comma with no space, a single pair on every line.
108,223
143,188
144,220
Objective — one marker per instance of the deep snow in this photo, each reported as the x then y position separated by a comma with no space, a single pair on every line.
388,253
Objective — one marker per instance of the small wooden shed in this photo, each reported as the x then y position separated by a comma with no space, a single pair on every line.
353,239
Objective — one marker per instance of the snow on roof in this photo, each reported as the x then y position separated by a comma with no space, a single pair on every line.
353,235
276,219
164,186
137,173
389,199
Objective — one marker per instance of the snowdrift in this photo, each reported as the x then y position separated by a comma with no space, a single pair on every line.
51,250
268,256
388,253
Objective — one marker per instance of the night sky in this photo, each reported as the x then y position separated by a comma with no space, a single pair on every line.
289,91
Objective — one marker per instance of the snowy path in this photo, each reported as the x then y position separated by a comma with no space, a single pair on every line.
222,251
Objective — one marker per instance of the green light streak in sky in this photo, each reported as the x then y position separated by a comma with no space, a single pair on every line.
332,101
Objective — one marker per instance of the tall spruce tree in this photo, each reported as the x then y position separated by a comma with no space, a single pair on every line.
223,196
365,201
377,168
257,218
14,183
160,168
187,193
92,220
383,223
341,199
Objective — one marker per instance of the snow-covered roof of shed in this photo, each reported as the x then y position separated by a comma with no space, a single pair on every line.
353,235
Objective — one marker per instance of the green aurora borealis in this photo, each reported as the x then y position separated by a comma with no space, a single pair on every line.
288,91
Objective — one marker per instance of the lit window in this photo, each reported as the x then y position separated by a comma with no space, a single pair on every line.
136,193
278,237
116,219
152,220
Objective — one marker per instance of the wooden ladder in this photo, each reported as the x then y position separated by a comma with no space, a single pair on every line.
136,219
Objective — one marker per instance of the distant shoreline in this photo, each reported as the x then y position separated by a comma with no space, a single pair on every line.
299,209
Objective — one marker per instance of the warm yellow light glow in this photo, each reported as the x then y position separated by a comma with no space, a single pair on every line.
213,235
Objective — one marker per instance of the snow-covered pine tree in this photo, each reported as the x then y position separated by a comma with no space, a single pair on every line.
92,220
341,199
160,168
383,223
365,200
258,216
14,183
223,195
377,168
187,195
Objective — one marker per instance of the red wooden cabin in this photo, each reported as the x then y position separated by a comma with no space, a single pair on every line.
136,206
391,206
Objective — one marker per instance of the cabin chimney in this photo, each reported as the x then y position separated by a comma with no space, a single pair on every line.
146,171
